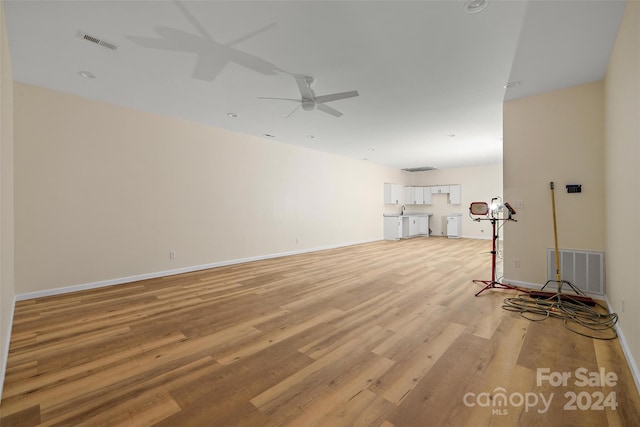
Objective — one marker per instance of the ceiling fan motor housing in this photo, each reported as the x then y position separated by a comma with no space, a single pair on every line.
308,105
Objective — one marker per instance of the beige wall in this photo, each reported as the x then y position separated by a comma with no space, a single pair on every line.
559,137
479,184
587,135
104,192
622,180
7,292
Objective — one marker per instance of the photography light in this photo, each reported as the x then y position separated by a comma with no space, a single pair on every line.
479,208
492,213
496,205
509,208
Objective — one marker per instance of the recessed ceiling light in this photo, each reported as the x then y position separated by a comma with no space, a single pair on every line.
87,74
452,135
232,115
512,84
473,6
372,149
311,137
268,135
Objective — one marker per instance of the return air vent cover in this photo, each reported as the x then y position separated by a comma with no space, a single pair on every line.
420,169
97,40
584,269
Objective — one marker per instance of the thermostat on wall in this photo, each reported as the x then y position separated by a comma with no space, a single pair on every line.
574,188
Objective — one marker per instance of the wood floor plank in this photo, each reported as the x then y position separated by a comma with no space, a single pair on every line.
320,371
313,405
275,337
362,410
398,383
609,356
381,334
144,409
29,416
54,388
58,347
434,397
418,322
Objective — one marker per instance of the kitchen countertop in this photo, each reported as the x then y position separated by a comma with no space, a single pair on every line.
409,214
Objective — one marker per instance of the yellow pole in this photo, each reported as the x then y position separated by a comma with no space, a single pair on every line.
555,233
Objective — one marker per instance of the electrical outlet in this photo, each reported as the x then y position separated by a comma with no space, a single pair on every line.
297,240
172,254
623,306
516,263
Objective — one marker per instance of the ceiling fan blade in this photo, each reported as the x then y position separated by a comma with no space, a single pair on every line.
282,99
303,86
337,96
328,110
251,34
192,19
294,110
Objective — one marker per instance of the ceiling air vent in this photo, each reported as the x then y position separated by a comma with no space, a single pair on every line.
96,40
420,169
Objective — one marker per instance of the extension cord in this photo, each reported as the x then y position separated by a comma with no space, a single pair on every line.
566,297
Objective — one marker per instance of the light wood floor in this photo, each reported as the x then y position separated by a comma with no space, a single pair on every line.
382,334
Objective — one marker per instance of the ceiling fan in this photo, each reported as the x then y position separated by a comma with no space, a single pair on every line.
309,101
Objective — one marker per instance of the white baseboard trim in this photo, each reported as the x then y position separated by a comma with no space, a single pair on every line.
129,279
478,237
633,366
3,368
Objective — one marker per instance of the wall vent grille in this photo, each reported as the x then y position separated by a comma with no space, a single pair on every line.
420,169
584,269
97,40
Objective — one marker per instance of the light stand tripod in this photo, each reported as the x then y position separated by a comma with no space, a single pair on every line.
481,208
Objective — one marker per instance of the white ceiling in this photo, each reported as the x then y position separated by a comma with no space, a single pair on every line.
425,70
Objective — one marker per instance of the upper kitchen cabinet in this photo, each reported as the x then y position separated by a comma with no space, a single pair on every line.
455,196
426,193
413,195
417,196
438,189
392,194
395,194
454,192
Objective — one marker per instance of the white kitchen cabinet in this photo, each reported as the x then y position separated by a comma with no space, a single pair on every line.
405,226
392,227
426,196
408,195
423,225
392,194
418,195
439,189
455,194
413,196
454,226
414,226
418,226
